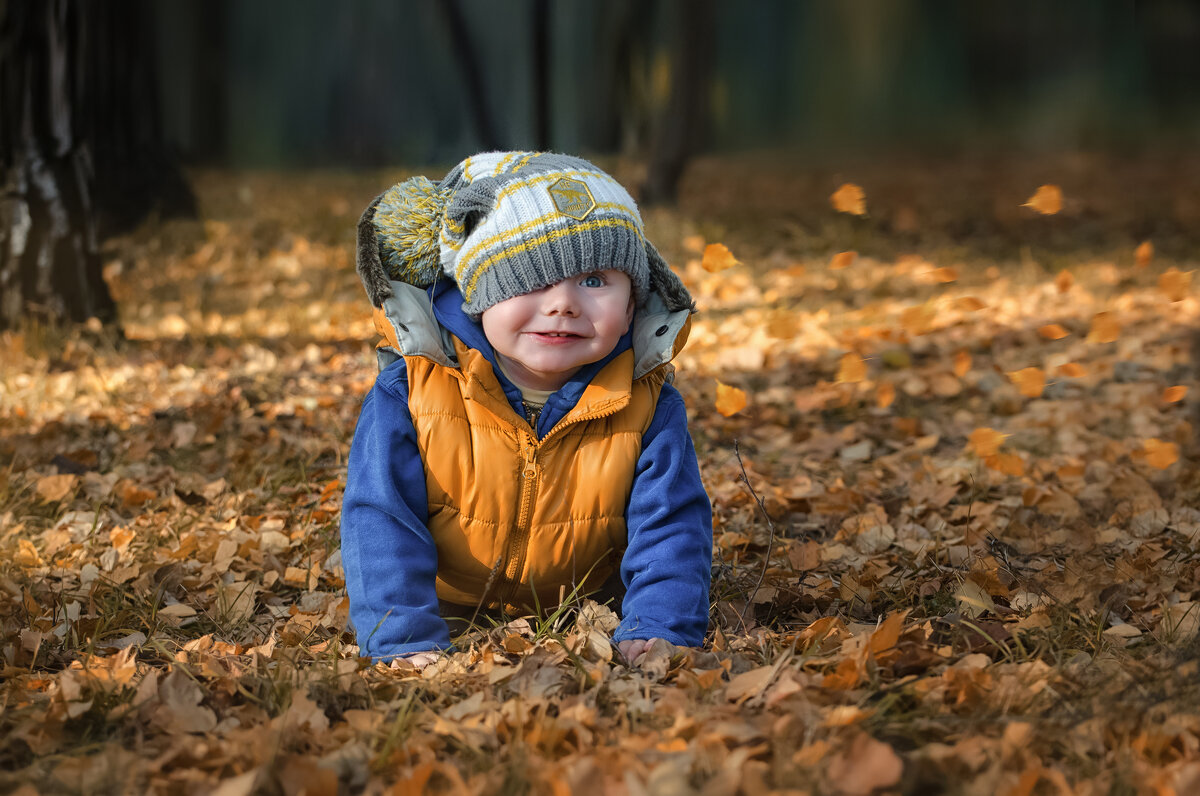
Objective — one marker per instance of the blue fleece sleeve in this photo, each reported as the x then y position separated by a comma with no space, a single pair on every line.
388,554
667,566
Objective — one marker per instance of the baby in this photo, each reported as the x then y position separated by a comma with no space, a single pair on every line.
522,441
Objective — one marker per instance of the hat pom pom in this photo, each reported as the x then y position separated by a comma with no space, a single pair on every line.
408,222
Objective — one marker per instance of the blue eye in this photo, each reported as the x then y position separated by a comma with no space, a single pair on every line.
592,280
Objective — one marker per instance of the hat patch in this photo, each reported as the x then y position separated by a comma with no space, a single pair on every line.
572,198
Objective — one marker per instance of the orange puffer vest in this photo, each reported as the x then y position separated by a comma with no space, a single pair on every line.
517,520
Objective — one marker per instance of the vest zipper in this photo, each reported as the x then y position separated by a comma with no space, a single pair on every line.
519,543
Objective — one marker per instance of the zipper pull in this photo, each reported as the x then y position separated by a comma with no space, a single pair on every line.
531,468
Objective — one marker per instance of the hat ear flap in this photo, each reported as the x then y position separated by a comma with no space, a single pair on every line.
664,282
370,268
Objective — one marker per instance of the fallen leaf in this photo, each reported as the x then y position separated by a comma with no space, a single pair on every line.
1144,253
53,488
1160,454
842,260
717,257
1047,200
969,304
1105,328
1172,394
885,394
1007,463
730,400
864,767
1072,370
1063,281
984,442
1175,284
851,369
1030,381
944,275
973,600
1052,331
962,362
849,199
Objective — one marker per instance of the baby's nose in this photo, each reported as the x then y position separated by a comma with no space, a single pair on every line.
560,299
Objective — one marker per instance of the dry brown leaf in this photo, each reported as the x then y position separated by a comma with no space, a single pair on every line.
730,400
1144,253
1052,331
864,767
944,275
1176,393
1030,381
717,257
851,369
1047,200
969,304
1105,328
1175,284
962,362
1007,463
1072,370
885,394
1160,454
842,260
53,488
1063,281
984,442
849,198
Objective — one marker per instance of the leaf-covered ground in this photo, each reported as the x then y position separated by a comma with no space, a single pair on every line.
957,536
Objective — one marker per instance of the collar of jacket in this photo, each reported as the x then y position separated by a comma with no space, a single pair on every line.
424,322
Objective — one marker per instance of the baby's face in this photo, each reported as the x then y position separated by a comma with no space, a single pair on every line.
544,337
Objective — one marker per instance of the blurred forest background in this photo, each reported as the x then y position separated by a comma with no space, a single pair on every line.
941,386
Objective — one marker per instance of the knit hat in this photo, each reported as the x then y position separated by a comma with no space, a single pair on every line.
502,224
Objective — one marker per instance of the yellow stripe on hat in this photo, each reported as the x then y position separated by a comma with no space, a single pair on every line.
496,172
525,161
530,225
547,237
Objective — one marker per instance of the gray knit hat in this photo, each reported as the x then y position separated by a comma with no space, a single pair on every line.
502,224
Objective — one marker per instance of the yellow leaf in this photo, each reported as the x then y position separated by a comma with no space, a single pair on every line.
1030,381
1072,370
1144,253
1047,200
1173,394
730,400
962,362
53,488
1161,454
851,369
1008,463
784,325
27,555
885,394
918,320
1052,331
984,442
717,257
1175,284
1105,328
1064,280
849,199
842,260
969,304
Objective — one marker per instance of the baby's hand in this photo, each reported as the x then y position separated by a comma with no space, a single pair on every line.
634,648
417,659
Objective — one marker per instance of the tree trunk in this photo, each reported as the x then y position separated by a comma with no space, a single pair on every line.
80,149
680,132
